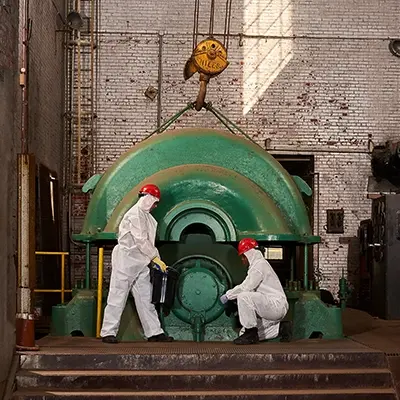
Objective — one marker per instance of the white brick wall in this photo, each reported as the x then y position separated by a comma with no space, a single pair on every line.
314,77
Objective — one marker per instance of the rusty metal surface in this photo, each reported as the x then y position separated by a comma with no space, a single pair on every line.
394,364
198,380
84,368
25,333
337,394
78,345
88,353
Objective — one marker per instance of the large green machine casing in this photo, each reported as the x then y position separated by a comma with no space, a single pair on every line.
206,176
216,188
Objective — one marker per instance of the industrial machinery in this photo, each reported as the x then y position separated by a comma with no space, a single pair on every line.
380,257
385,272
217,188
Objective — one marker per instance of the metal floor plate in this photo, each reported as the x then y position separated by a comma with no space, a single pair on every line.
83,345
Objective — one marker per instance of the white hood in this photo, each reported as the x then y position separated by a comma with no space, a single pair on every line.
146,202
253,255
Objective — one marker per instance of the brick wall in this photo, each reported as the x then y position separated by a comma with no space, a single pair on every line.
313,77
8,196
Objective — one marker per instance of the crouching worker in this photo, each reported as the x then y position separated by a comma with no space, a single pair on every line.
261,301
130,273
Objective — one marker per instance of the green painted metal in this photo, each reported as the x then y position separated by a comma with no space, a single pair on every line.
202,282
87,265
234,207
91,183
311,315
305,276
293,294
292,255
344,291
218,155
130,328
78,315
207,270
302,185
221,329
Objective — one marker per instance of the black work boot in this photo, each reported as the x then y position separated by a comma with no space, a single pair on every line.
250,336
285,331
110,339
162,337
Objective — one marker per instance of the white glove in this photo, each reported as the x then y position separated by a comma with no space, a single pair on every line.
223,299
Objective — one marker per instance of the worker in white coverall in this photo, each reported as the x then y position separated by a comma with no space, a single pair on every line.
261,301
130,273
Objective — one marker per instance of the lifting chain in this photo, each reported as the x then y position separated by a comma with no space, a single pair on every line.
209,57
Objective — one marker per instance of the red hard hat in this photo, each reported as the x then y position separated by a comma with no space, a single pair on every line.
151,189
246,245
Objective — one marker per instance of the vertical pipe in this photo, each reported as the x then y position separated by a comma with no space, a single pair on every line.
305,267
70,153
87,271
79,83
96,80
160,77
91,150
99,289
25,324
66,120
26,164
292,256
317,194
62,278
23,77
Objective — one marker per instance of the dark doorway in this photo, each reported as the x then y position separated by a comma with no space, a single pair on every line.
48,238
302,166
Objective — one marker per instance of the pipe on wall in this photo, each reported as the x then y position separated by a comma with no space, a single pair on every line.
26,167
160,77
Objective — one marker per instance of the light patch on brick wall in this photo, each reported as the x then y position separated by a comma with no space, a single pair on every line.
264,58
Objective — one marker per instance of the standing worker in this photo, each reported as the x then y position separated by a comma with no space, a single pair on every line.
129,260
261,301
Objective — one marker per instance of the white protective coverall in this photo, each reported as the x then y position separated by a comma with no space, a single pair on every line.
260,297
129,261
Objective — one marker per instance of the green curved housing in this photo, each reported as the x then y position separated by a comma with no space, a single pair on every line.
209,177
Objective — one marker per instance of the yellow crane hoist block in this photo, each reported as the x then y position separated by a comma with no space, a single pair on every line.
209,58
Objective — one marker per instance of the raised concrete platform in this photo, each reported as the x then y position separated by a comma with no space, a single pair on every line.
359,367
86,368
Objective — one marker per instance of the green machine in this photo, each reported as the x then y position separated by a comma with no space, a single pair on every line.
217,188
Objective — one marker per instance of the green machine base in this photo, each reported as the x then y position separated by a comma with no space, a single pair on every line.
78,317
311,316
308,313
